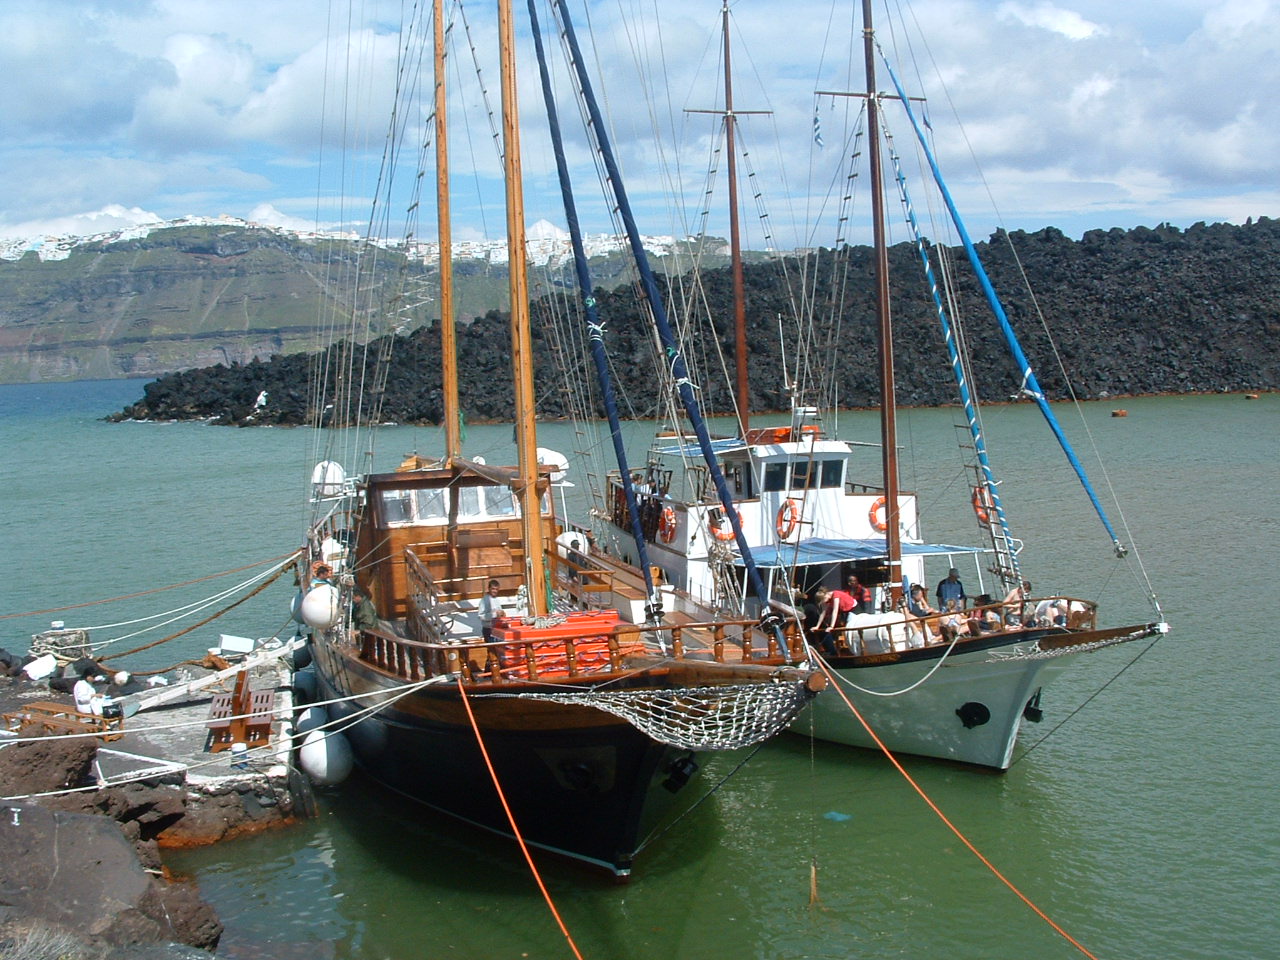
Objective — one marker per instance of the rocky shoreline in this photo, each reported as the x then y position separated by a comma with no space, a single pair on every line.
1136,312
81,868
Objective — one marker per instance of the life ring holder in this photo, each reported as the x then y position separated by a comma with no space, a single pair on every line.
878,515
788,518
721,530
667,525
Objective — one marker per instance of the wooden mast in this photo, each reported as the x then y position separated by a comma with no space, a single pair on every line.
888,397
742,392
735,244
521,346
448,337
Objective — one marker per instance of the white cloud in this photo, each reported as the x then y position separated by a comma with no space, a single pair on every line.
111,217
1049,16
267,214
220,106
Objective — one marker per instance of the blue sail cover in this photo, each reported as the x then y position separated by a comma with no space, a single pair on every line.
820,551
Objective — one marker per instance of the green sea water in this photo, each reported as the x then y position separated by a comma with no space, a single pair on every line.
1146,826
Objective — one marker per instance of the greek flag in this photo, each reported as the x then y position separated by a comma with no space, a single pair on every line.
817,129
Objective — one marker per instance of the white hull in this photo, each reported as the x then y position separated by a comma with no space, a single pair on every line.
926,721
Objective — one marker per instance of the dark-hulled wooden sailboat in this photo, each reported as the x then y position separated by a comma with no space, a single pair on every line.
587,720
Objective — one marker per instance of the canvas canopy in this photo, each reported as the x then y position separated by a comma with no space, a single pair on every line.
821,551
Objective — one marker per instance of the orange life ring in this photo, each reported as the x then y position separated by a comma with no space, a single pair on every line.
720,528
667,525
982,505
788,518
879,523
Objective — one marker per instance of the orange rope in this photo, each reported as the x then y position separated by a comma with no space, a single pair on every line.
143,593
546,895
943,817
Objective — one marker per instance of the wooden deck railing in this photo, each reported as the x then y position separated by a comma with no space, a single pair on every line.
971,622
518,660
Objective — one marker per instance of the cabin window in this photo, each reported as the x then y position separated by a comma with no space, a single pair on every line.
775,477
800,475
430,504
397,507
832,473
499,502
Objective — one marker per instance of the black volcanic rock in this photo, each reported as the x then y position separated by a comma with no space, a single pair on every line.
1142,311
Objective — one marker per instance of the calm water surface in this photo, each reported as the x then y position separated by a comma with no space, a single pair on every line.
1146,826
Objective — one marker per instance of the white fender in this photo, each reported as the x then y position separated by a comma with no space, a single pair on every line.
325,757
319,607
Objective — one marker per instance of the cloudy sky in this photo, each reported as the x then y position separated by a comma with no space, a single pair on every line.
1078,114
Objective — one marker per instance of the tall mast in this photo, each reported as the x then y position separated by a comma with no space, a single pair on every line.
888,398
448,338
741,392
521,346
735,245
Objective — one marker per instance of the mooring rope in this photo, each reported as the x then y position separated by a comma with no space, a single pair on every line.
195,626
951,826
143,593
515,829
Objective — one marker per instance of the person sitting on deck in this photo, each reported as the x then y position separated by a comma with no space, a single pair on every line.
1016,611
953,624
918,607
984,618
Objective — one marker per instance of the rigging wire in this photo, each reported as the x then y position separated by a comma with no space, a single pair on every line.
144,593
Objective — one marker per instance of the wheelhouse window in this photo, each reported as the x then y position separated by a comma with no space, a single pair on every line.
430,505
499,502
832,473
775,477
800,475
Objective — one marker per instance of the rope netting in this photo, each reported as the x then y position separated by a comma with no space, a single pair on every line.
698,718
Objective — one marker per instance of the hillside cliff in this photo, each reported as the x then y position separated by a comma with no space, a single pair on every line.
192,293
1141,311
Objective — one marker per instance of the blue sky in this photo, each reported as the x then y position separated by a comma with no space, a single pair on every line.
1078,115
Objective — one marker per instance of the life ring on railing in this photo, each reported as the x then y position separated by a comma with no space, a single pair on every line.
788,518
878,515
982,505
721,528
667,525
320,571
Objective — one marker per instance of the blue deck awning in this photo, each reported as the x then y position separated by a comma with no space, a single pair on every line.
819,551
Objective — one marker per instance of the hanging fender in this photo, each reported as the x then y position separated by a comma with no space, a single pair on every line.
667,525
877,515
788,518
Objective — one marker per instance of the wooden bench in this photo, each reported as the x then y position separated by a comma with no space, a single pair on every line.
243,716
49,718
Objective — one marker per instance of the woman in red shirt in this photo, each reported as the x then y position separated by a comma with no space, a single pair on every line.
836,607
